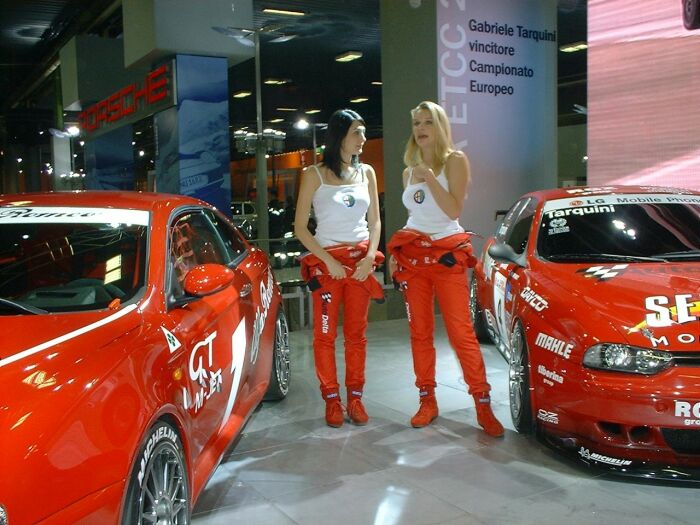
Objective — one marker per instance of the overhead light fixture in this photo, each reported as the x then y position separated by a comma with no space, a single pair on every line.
302,124
285,12
377,83
276,81
286,109
312,111
283,38
349,56
358,100
573,47
276,120
242,94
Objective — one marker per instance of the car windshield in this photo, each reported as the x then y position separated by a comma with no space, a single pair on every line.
70,259
630,228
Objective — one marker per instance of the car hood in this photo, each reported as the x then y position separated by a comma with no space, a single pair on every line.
29,339
639,300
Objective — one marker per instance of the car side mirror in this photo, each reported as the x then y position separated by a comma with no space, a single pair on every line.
207,279
505,253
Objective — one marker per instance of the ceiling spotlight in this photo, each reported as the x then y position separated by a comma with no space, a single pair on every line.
276,120
358,100
312,111
349,56
286,109
73,131
302,124
242,94
377,83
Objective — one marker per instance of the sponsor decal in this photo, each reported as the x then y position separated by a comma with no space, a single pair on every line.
348,200
266,292
550,377
534,299
603,273
589,191
586,198
548,417
578,209
690,412
326,298
161,433
600,458
663,312
419,196
554,345
173,343
66,215
499,282
206,379
557,226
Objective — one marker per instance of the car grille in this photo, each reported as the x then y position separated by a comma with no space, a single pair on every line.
686,358
682,441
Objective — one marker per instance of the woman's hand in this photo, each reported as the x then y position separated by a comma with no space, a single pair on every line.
423,173
393,265
335,269
363,268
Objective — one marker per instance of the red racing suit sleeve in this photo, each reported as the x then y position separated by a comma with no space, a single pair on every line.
315,273
414,251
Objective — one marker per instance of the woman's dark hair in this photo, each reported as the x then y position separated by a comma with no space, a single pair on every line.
338,126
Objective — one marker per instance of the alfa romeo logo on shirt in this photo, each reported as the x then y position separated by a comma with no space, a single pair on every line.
419,196
349,200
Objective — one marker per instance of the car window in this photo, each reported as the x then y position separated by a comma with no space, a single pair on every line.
233,244
193,241
248,207
654,229
516,225
57,265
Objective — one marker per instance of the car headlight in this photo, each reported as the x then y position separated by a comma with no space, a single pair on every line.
625,358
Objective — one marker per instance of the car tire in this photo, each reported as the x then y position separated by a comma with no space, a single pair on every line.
519,383
280,373
158,490
691,14
481,330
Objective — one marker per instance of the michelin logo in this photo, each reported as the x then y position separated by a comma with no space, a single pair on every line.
600,458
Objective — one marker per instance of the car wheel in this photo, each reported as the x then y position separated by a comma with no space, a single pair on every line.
280,373
519,383
477,314
691,14
158,489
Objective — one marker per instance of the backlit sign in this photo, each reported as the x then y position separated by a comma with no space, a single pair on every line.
133,102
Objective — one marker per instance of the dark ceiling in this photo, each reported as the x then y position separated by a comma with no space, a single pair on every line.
33,31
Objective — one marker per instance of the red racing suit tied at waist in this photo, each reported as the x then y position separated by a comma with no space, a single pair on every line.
315,273
415,251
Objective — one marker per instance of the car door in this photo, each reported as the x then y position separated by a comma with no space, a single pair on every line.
207,335
506,279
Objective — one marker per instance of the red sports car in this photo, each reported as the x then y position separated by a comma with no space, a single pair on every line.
139,332
593,297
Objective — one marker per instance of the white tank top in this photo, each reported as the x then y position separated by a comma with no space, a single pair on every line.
341,212
424,214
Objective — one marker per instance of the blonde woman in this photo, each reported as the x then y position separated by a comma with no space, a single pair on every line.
430,257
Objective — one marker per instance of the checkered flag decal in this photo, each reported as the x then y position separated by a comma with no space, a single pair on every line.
326,297
603,273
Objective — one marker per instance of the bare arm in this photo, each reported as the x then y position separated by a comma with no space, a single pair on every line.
457,172
374,224
309,185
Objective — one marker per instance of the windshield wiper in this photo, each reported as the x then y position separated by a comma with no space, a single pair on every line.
24,308
589,257
685,254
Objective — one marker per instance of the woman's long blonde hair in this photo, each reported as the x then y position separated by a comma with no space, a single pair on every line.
443,138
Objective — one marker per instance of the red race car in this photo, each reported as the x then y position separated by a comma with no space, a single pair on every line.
139,332
593,297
